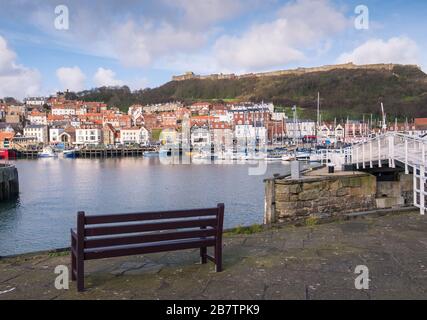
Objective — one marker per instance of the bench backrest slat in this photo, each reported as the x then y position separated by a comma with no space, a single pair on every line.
145,238
132,217
119,252
145,227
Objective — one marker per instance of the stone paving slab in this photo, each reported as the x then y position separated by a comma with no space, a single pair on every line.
313,262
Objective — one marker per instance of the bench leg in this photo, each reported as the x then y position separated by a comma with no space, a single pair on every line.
218,257
80,251
203,253
80,274
73,259
73,266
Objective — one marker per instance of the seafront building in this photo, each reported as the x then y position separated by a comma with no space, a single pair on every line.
38,131
203,125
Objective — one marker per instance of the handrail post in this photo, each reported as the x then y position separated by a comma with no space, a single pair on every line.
422,189
363,154
393,140
357,157
414,174
379,152
406,157
423,153
370,154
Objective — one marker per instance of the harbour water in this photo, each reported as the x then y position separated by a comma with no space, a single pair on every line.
53,190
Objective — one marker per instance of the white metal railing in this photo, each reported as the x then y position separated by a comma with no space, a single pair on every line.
336,157
390,148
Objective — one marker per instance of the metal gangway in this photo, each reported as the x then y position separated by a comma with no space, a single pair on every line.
391,150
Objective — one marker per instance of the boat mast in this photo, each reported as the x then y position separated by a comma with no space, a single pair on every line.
318,112
384,123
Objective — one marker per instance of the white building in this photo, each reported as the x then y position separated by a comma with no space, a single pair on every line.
75,122
339,133
300,129
88,135
222,136
248,135
37,131
136,114
278,116
54,135
64,110
81,110
38,118
35,101
200,138
134,135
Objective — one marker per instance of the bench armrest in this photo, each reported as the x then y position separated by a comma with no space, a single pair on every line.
73,233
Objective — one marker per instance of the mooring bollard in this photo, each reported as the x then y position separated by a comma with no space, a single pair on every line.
296,170
331,168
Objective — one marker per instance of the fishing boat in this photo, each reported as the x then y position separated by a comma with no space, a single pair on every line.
47,153
69,154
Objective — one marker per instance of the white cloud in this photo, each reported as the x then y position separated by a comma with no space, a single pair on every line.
300,25
205,12
396,50
138,33
106,77
136,45
71,78
137,83
16,80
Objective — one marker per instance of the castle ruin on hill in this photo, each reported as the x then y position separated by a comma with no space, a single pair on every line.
299,71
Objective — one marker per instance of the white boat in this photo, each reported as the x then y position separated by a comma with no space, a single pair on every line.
303,156
47,153
151,154
288,157
274,156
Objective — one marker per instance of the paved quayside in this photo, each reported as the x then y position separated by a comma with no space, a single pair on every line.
310,262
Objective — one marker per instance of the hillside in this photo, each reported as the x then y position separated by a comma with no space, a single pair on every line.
343,92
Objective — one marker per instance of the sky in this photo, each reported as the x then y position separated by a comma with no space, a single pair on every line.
52,45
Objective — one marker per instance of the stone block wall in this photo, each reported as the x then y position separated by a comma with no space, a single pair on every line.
323,196
402,187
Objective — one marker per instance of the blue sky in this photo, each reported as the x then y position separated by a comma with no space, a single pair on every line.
143,43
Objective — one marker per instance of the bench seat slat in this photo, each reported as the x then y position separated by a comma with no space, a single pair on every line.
145,238
101,253
129,217
144,227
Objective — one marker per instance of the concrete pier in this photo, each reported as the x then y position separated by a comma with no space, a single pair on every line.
9,182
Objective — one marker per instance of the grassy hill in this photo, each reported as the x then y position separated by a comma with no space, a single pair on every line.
343,92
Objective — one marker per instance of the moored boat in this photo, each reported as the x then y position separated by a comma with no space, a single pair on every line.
151,154
288,157
47,153
69,154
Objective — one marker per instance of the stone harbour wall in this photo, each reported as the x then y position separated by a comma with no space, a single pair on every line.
320,197
403,188
9,182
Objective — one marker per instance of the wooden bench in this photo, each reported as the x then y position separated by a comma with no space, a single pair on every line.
106,236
